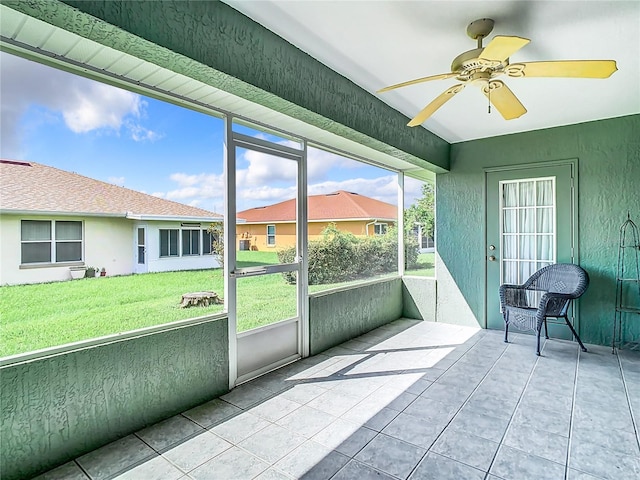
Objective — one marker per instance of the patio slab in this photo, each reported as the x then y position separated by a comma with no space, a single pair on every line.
411,400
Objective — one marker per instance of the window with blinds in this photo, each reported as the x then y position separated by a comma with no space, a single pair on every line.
51,241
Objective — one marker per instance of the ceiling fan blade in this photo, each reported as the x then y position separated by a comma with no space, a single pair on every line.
567,68
427,111
442,76
504,100
502,47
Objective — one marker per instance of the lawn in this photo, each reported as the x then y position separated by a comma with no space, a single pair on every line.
49,314
426,266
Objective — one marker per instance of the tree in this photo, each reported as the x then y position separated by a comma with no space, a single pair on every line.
422,212
217,242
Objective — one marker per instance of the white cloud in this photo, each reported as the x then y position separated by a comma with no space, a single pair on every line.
90,105
203,185
412,190
184,193
266,195
184,180
84,105
321,163
204,190
382,188
267,179
117,181
265,169
141,134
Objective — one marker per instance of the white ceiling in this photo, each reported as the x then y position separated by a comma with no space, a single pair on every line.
379,43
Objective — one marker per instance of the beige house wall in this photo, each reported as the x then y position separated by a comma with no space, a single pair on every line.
107,242
286,234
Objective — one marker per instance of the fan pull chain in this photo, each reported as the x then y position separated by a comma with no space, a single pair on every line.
489,97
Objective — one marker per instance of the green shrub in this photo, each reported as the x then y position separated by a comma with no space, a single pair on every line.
288,255
411,252
341,256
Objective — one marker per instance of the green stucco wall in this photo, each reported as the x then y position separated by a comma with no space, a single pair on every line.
338,316
57,408
213,43
419,298
608,153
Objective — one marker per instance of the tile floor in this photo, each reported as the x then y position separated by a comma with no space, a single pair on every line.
411,400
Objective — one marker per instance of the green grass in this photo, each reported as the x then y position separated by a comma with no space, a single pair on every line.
49,314
44,315
426,266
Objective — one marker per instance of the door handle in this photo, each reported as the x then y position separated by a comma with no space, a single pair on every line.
492,258
249,273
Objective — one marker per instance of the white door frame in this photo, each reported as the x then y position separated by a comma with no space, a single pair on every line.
574,236
234,140
144,266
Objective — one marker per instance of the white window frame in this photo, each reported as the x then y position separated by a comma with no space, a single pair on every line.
206,233
271,235
380,225
160,255
518,208
192,231
53,242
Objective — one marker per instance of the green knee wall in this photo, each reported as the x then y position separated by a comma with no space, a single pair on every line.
57,408
419,298
338,316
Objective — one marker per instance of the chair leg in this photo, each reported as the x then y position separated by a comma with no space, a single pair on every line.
584,349
546,332
538,347
506,332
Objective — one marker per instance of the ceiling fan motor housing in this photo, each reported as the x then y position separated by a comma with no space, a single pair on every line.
468,64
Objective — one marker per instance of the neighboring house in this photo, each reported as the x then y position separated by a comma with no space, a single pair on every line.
425,242
273,226
52,220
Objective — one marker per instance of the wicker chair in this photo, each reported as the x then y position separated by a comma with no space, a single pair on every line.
547,293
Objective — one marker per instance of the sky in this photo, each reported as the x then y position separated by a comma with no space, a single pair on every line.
70,122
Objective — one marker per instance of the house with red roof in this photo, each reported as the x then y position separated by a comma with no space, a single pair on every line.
273,226
54,223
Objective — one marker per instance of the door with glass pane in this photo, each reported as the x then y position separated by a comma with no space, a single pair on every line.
141,249
265,268
529,226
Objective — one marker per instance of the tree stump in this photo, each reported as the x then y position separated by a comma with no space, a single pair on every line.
200,299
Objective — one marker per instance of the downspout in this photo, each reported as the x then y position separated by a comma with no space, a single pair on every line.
366,227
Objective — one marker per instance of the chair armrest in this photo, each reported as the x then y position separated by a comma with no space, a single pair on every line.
554,303
504,288
513,296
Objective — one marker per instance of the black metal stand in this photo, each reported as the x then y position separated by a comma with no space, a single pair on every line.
628,251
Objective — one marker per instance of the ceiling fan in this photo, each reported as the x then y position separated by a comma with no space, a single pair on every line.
481,66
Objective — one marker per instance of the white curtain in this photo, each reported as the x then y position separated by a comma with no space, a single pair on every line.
510,194
528,228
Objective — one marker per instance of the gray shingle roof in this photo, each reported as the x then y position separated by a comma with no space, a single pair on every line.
30,186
